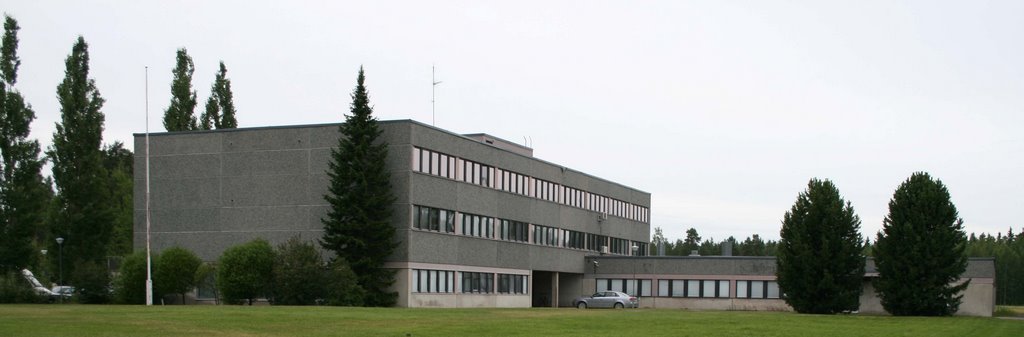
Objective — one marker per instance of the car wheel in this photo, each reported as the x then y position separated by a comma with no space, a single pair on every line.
581,305
618,305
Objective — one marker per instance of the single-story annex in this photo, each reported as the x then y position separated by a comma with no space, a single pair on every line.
481,222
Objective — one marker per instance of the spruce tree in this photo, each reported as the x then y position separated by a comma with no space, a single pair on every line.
220,108
24,195
820,267
358,226
920,251
180,115
83,212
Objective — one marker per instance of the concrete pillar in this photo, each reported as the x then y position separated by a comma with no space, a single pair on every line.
554,289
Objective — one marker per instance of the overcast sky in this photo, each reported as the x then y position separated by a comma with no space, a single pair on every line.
722,110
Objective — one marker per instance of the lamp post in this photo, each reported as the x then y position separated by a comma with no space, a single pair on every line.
60,282
636,284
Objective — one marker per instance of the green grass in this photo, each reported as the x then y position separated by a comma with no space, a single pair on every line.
88,320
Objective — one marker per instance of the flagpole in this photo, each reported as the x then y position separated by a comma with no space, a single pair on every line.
149,257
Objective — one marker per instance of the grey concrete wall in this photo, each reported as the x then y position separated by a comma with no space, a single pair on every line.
978,299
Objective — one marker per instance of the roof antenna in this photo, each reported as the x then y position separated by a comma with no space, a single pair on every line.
433,119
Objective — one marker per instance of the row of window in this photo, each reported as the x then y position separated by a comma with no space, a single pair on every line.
757,289
433,219
446,221
693,288
624,285
443,281
544,235
451,167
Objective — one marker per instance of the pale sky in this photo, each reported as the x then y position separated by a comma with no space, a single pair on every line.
722,110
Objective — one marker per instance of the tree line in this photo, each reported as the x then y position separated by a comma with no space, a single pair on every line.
753,245
1008,250
86,201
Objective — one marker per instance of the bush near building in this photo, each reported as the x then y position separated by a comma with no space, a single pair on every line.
176,273
245,272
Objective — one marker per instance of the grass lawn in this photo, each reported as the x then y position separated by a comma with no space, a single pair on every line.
111,320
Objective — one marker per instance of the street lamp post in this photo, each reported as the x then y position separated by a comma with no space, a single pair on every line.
60,282
636,283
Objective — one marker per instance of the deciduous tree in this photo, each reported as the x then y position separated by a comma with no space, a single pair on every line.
176,273
246,272
220,107
83,212
24,194
180,115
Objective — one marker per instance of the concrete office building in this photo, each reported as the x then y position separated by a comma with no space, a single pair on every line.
481,222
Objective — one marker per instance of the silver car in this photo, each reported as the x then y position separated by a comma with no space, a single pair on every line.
606,299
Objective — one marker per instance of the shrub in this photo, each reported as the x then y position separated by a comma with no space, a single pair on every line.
176,273
245,271
130,285
15,289
92,282
299,274
343,286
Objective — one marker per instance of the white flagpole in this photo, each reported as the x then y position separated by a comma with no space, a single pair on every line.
149,258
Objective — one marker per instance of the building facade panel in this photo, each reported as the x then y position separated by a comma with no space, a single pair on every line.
275,138
274,162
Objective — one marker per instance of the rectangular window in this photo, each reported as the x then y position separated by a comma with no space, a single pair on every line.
477,225
416,153
514,231
479,283
692,288
433,281
645,288
742,289
678,288
433,219
709,288
723,288
756,289
772,289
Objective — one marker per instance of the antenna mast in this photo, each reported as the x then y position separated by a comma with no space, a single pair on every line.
435,82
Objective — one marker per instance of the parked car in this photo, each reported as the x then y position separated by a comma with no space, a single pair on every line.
65,291
606,299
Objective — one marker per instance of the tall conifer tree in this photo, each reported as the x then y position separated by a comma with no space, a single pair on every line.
358,227
24,195
180,115
920,251
820,267
84,218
